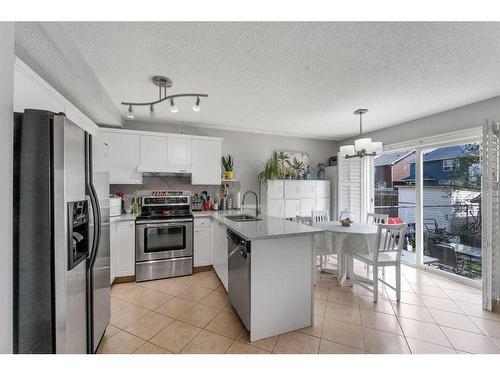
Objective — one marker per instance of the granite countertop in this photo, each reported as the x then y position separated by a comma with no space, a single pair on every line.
267,228
123,217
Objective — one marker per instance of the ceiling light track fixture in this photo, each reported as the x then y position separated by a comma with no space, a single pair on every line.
163,83
363,146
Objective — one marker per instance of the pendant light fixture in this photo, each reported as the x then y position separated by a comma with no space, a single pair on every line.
162,83
362,146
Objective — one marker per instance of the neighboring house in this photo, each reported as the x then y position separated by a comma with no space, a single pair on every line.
446,209
438,166
392,168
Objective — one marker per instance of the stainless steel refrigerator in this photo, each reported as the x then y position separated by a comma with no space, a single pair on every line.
61,237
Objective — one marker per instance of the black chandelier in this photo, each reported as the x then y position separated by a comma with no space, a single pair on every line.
162,83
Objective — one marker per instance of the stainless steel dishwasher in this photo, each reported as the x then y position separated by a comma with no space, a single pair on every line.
239,261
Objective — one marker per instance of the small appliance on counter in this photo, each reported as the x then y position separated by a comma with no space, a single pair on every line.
115,205
196,203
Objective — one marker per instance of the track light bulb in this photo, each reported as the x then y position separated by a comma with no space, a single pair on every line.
151,110
173,108
130,113
196,106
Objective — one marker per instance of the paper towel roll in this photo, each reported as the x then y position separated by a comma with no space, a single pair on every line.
237,200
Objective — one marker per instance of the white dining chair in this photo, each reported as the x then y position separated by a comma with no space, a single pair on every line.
322,246
320,216
372,218
387,253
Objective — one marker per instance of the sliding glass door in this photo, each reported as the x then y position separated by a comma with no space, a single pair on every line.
436,191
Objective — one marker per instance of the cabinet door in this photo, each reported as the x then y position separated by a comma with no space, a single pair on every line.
206,162
292,208
276,207
179,152
323,204
202,250
123,158
322,189
307,206
153,151
308,189
125,248
275,189
293,189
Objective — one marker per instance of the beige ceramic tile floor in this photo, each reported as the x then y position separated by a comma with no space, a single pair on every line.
192,315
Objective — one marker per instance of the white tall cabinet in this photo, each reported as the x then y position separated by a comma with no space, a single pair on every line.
289,198
122,242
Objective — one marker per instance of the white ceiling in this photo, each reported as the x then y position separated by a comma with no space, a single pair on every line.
296,78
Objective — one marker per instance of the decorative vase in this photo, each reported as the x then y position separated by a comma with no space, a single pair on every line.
307,176
321,175
228,175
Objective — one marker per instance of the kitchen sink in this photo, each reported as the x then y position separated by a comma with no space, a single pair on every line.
240,218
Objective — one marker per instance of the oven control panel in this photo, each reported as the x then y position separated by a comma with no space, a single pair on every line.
165,201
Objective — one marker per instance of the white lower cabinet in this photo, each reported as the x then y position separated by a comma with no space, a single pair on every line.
292,208
122,243
275,207
202,254
323,204
307,206
220,251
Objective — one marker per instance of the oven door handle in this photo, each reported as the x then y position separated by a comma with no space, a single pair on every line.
164,224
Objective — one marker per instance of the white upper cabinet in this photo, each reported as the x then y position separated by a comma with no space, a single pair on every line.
322,189
160,153
153,153
293,189
124,157
206,162
308,189
275,189
179,152
132,153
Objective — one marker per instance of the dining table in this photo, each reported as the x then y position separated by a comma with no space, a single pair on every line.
346,241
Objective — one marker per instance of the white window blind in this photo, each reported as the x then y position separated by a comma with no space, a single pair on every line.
355,186
490,211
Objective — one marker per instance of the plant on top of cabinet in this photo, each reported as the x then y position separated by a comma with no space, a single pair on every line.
297,167
228,167
271,171
282,157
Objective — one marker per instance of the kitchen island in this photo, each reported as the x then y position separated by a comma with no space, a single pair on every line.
280,271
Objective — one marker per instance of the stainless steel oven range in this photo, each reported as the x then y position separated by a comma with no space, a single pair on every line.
164,238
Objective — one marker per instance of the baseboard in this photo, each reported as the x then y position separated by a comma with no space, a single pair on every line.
123,279
202,269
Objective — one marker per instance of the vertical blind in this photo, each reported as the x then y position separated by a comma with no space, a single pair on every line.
490,212
355,183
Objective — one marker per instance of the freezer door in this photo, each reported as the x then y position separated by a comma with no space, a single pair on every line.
69,186
101,266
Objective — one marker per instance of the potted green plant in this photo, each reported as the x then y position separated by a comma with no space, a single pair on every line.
271,170
297,167
228,167
282,157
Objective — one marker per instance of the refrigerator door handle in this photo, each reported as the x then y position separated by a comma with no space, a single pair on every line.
96,209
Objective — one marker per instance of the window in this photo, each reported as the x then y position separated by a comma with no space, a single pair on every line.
449,165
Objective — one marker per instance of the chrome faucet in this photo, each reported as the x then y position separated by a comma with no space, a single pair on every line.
257,209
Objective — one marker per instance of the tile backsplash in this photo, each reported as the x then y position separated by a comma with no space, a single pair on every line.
164,183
